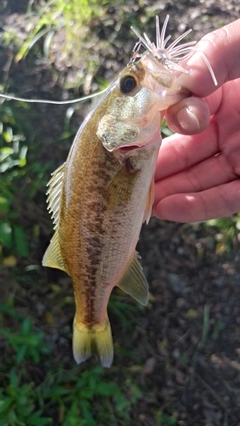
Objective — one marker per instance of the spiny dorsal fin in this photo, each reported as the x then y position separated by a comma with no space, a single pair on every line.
54,193
52,257
134,282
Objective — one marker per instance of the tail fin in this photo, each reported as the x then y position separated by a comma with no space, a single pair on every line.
93,340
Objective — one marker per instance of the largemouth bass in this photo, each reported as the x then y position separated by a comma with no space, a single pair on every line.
104,192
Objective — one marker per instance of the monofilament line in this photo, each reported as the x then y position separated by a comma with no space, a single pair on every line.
44,101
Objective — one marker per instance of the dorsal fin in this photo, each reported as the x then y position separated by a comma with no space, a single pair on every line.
54,193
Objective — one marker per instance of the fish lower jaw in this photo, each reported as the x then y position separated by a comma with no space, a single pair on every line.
134,147
143,144
127,154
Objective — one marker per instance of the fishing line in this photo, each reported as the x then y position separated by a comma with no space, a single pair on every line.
169,56
45,101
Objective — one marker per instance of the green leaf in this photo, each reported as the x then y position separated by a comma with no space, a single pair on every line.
4,205
58,390
6,234
86,410
6,402
5,153
14,380
35,420
22,156
21,353
20,240
8,134
106,389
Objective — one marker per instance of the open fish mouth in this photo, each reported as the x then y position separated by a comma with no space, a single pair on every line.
126,149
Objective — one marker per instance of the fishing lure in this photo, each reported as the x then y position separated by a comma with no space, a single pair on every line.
175,53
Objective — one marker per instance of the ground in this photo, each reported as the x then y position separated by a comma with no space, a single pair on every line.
183,350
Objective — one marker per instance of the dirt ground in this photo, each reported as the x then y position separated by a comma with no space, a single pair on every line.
188,337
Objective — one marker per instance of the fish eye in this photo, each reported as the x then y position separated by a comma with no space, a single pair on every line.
127,84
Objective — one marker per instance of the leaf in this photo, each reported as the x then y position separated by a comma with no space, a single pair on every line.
35,420
20,240
14,380
8,134
5,404
86,410
9,261
4,205
22,156
26,327
57,391
5,153
6,234
106,388
21,353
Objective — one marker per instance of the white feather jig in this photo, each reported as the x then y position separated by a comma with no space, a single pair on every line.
169,56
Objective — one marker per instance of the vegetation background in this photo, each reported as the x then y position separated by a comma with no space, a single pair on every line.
177,361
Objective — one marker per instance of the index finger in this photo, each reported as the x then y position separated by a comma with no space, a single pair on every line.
222,49
179,152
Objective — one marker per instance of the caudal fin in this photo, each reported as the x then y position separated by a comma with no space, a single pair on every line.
91,340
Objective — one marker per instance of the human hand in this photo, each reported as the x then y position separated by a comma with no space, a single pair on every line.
198,177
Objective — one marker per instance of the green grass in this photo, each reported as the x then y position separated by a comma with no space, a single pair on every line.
163,419
77,396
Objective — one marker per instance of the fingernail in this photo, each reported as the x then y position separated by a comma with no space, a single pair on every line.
188,120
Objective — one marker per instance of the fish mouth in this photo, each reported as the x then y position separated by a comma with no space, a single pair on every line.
128,148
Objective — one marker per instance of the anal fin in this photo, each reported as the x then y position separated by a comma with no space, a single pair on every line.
52,257
134,282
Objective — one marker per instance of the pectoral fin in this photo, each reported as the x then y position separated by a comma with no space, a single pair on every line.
149,203
134,282
52,257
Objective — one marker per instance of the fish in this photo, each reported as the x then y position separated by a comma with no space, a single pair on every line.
100,197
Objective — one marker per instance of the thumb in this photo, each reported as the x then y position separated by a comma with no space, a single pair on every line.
189,116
